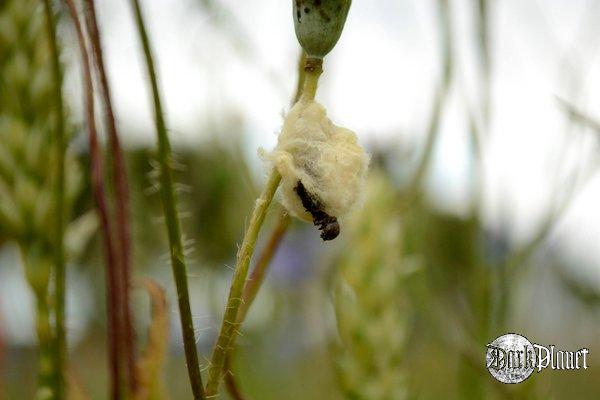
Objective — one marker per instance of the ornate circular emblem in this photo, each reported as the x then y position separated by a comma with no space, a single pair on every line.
510,358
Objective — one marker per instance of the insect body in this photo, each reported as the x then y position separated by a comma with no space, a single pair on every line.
328,225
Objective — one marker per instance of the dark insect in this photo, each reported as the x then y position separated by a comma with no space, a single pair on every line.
328,225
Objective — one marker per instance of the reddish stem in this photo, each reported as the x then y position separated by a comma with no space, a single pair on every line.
119,172
114,317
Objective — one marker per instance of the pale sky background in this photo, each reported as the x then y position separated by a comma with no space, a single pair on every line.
379,82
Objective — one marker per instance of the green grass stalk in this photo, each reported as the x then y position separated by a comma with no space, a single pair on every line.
60,346
169,205
37,270
47,366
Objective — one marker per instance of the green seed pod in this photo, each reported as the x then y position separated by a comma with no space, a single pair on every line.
319,24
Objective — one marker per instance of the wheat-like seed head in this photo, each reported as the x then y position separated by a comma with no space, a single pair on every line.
29,151
370,306
28,147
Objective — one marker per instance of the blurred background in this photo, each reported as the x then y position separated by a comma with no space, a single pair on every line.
480,218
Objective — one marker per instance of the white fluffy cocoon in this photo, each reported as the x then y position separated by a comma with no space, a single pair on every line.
326,158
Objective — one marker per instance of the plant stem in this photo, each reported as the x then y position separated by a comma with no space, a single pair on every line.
47,368
231,384
228,331
113,309
253,284
235,309
37,272
313,69
119,173
60,351
301,77
257,275
172,220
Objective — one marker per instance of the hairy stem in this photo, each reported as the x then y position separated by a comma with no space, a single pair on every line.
308,79
259,271
257,276
59,261
228,331
253,284
169,206
119,174
113,309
